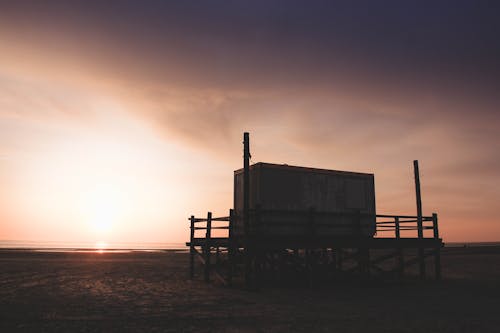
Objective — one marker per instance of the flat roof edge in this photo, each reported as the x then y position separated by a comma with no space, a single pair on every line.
294,167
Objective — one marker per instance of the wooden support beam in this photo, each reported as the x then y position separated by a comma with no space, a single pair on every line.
417,258
400,257
207,247
219,277
384,257
191,250
231,249
201,256
437,254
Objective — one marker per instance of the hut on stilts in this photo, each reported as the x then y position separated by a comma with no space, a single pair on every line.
297,224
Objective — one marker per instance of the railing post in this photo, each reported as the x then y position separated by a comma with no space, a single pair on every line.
207,247
191,249
437,250
397,229
435,227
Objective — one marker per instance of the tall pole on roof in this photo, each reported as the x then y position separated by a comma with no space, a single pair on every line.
246,207
418,196
246,180
420,228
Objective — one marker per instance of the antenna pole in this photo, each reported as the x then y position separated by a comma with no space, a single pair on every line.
418,196
246,181
248,252
420,228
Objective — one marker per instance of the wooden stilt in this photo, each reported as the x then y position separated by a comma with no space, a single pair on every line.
192,251
437,253
207,247
400,256
231,248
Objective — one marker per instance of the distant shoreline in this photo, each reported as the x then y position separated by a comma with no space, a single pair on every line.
89,250
55,246
178,247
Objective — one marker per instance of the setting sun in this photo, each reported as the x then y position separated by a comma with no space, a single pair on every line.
100,247
101,208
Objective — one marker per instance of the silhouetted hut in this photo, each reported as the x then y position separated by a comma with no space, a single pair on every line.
297,221
284,198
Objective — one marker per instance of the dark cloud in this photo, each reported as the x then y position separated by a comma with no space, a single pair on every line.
261,43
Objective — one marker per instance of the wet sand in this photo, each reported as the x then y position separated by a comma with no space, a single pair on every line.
150,292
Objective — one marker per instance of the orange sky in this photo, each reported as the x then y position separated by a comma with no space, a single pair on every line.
117,123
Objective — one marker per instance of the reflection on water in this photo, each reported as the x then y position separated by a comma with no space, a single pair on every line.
93,250
101,247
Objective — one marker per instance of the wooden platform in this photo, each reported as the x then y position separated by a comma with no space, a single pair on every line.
256,258
327,242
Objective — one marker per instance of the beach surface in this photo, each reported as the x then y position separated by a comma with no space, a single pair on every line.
150,292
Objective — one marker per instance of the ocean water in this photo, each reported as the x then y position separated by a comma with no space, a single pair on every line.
89,246
144,246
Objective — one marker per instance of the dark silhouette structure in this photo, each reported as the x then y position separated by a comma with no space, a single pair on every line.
304,224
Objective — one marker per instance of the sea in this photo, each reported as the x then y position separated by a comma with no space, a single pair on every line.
58,246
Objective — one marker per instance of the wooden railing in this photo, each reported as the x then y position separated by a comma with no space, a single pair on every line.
399,223
395,224
206,224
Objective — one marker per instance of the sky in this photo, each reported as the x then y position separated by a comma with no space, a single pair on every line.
119,119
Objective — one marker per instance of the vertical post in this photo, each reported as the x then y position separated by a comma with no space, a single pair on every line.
231,248
191,249
256,253
437,250
419,199
398,230
207,247
246,181
401,263
435,227
420,229
310,257
246,207
217,259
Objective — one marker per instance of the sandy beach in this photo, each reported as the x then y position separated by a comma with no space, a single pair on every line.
150,292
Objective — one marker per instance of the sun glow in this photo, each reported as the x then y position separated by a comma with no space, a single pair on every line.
92,178
101,208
